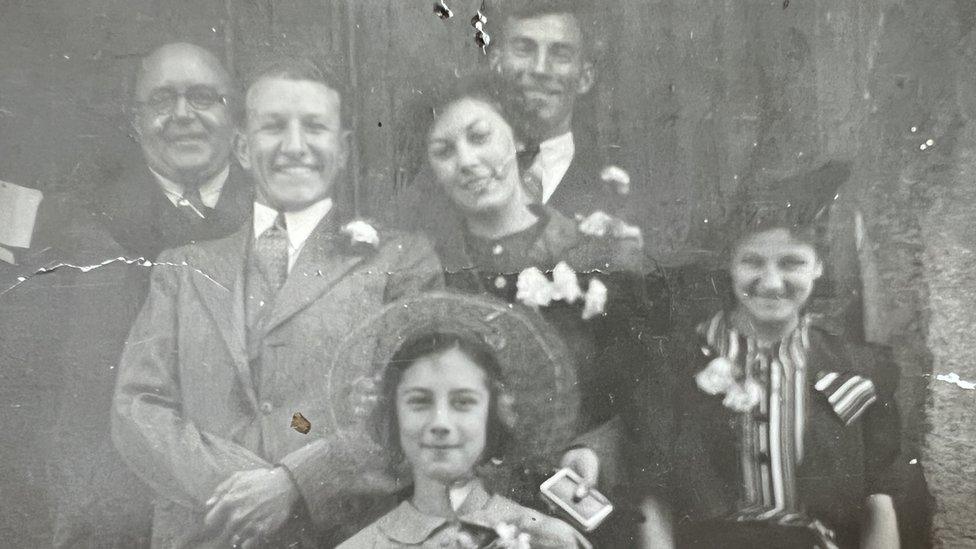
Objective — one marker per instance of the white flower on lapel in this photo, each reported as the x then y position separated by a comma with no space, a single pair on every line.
601,224
534,289
595,300
617,177
598,224
565,284
717,377
360,232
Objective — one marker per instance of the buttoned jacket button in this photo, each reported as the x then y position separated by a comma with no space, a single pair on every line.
266,407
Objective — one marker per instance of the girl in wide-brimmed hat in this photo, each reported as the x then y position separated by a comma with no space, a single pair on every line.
449,386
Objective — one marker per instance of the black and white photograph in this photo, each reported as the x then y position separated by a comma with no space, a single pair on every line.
487,274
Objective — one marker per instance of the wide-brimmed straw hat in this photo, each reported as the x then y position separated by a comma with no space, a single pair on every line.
536,365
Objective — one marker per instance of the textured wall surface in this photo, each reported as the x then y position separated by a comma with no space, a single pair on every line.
699,98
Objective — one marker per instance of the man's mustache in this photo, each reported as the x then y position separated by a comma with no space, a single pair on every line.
173,131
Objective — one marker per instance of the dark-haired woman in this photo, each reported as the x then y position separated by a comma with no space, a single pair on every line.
785,432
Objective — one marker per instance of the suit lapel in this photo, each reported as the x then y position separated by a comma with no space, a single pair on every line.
323,262
236,197
219,280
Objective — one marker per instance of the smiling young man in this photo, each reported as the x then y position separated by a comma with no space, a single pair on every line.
543,55
238,334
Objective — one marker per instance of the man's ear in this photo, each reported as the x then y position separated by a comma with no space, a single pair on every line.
134,124
818,270
495,59
242,150
587,78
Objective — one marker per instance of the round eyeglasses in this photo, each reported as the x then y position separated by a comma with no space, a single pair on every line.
199,98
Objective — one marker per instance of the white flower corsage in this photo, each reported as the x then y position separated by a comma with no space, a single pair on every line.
617,177
361,232
595,300
743,397
534,289
565,284
718,378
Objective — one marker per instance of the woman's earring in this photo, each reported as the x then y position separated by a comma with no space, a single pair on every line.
506,410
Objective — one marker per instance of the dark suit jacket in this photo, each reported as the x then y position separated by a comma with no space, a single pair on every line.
581,192
143,221
187,410
58,326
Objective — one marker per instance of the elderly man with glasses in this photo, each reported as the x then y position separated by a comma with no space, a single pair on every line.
185,188
184,118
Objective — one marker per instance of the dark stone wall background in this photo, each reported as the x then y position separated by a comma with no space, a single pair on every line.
699,98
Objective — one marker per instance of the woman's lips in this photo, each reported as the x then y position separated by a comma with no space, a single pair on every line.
477,185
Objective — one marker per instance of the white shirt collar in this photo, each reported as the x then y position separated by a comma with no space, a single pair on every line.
559,146
209,190
552,162
299,224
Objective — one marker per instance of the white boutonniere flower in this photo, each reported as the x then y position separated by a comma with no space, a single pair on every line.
361,232
617,177
601,224
565,284
534,289
595,300
718,378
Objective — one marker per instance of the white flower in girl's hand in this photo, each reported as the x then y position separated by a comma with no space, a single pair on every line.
534,289
595,300
509,537
565,284
717,377
506,531
617,177
744,397
361,232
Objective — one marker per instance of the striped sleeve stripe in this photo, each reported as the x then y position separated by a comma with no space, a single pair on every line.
849,395
826,380
839,393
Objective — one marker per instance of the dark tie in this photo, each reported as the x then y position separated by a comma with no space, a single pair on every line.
271,250
192,205
531,178
526,155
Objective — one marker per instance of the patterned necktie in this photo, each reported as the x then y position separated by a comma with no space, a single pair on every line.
271,250
192,204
